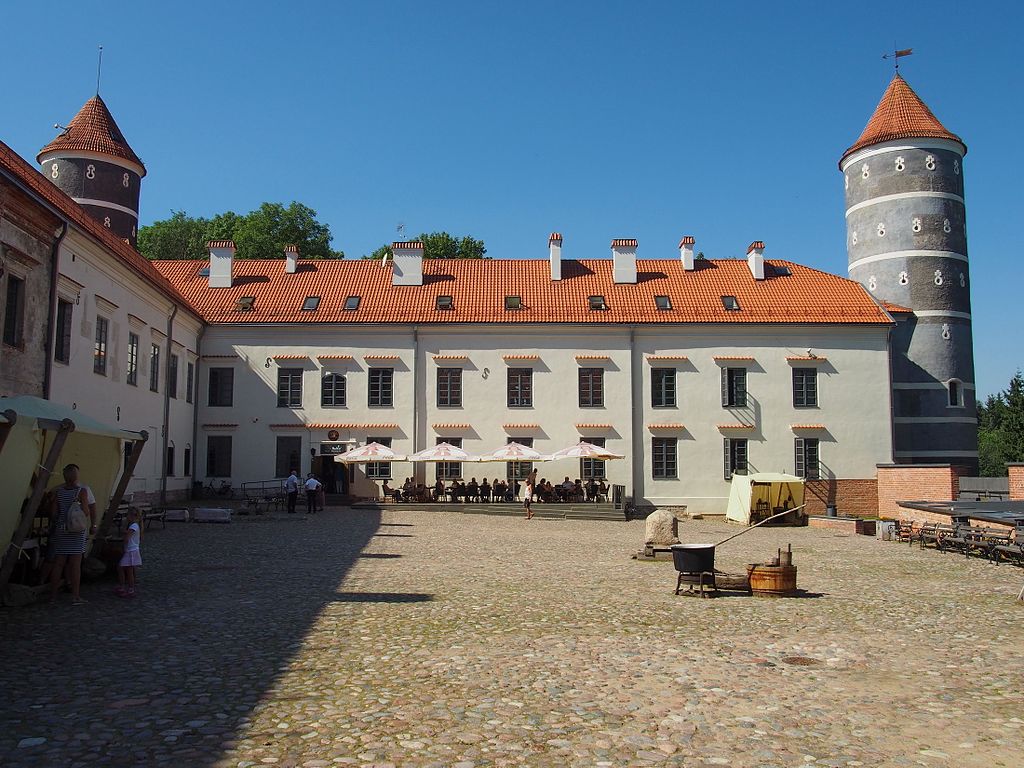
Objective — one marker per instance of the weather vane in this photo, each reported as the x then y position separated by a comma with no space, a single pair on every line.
99,69
897,54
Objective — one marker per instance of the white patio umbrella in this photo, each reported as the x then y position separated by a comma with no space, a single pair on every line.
441,452
367,453
584,450
513,452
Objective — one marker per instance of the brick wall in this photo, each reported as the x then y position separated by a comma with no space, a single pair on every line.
852,498
1016,473
916,482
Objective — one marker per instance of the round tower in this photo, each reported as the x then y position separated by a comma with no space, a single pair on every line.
907,243
93,164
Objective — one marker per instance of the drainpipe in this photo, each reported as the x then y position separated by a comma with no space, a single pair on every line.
415,395
195,409
51,312
636,409
167,405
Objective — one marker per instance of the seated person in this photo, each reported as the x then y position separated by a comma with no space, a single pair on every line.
578,493
499,490
439,490
485,490
602,491
564,489
407,489
385,491
473,490
591,490
455,491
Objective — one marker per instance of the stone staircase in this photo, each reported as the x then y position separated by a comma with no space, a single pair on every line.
543,511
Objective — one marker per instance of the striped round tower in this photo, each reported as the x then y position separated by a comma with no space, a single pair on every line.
907,244
93,164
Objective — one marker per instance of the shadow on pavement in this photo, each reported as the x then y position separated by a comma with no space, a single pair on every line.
383,597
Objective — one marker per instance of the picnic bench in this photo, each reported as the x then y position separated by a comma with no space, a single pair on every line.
1010,550
971,538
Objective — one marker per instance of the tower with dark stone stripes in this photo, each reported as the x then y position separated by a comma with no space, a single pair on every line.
907,244
92,162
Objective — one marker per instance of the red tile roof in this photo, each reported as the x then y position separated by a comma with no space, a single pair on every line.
555,237
756,245
479,286
221,244
735,426
624,243
687,240
667,426
411,245
797,427
807,359
897,308
901,115
680,358
93,129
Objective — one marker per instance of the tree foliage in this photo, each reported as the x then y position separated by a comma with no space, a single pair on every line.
259,234
1001,429
440,245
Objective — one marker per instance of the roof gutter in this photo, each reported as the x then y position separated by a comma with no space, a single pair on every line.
166,436
51,311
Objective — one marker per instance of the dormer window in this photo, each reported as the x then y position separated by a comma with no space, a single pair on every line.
352,303
663,302
730,304
204,272
513,302
781,271
596,302
311,303
444,301
245,303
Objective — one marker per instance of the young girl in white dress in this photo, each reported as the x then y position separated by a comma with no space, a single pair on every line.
132,557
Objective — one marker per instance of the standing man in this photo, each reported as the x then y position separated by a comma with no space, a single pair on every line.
291,487
312,489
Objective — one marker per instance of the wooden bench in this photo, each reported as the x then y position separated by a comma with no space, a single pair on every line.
150,514
931,534
1010,550
904,531
970,538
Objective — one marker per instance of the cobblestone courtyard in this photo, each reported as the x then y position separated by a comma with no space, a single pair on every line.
423,638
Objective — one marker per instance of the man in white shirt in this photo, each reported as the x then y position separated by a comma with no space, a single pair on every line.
312,487
291,487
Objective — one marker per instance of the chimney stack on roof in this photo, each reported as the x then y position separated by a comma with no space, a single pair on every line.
686,252
222,257
291,259
407,263
555,254
755,259
624,260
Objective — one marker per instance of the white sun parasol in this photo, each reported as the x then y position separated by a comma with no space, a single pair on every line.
584,450
513,452
442,452
367,453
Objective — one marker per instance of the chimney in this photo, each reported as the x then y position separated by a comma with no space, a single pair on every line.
755,259
407,266
222,255
291,259
555,252
624,261
686,252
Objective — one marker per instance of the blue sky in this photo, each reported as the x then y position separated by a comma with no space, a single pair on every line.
507,121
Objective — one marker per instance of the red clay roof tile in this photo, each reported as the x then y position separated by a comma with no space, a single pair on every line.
93,129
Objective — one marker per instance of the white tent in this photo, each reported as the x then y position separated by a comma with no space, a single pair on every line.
754,497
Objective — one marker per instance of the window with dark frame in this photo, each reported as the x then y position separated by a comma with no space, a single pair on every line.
378,470
62,341
444,301
352,303
663,302
381,390
954,394
730,303
663,458
805,387
734,387
449,387
172,377
513,302
310,304
333,390
591,387
806,462
596,302
245,304
520,387
221,392
289,455
218,456
187,462
14,311
170,461
519,470
594,469
663,387
190,382
132,376
735,457
449,470
99,350
154,367
289,387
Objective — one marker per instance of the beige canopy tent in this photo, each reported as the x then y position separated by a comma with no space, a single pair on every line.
752,498
40,437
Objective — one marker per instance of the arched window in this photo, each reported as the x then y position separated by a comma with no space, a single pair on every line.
956,393
332,390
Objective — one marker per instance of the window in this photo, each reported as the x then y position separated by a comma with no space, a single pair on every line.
806,463
663,387
955,388
730,303
310,304
449,387
352,303
663,302
591,387
172,377
381,392
289,449
781,271
170,461
133,359
805,387
734,387
735,457
62,342
218,456
289,387
99,350
245,303
379,470
596,302
513,302
190,378
449,470
154,367
444,302
14,311
593,469
520,387
663,458
222,387
187,463
333,392
519,470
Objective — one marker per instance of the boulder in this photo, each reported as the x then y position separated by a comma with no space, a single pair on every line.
662,528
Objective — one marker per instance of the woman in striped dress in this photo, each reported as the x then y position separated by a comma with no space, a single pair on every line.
68,547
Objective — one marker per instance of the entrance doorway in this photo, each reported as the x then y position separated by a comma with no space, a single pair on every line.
331,474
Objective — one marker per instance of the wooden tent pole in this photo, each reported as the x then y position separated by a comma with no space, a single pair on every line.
28,510
122,485
5,429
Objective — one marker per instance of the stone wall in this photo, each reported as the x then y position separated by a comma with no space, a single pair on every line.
852,498
1016,473
917,482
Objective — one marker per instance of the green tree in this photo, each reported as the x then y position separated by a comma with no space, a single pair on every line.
259,234
440,245
1001,429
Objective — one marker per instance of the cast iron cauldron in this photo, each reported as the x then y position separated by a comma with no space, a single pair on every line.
693,558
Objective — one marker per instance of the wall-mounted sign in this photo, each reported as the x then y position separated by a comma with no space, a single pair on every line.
332,449
333,434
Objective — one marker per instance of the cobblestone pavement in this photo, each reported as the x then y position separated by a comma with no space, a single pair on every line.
439,639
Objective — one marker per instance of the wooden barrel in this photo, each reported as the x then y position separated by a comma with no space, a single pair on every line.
773,580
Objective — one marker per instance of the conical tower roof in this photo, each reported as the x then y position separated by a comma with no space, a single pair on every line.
93,129
901,115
